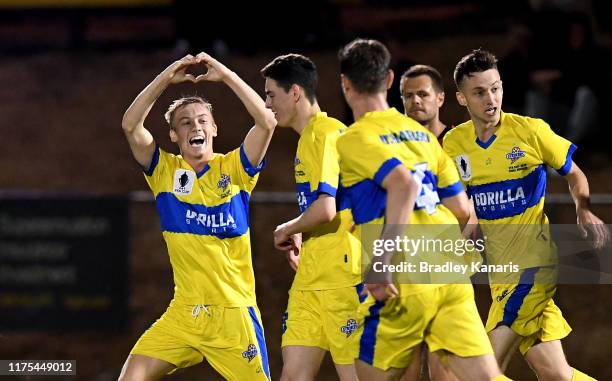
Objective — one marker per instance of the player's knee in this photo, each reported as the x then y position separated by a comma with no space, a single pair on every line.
295,372
554,373
132,372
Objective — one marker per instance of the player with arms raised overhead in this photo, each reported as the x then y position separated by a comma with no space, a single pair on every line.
202,198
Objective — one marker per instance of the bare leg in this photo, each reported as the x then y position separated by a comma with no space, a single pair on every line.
301,363
505,342
346,372
367,372
144,368
477,368
437,370
548,361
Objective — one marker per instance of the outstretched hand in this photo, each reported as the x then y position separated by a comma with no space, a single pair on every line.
591,226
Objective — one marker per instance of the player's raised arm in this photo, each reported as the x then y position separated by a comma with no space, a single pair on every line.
140,139
587,220
258,138
401,196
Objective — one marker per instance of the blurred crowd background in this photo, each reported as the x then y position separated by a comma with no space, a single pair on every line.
70,68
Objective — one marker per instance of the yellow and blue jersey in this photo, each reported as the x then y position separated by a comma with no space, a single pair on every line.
377,143
329,257
506,179
205,223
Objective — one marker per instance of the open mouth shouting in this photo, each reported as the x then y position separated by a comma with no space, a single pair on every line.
491,111
197,141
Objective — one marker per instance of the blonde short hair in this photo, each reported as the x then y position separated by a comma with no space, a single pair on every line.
174,106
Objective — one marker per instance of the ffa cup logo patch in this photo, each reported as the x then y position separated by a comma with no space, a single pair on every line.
515,154
183,181
350,327
250,353
463,164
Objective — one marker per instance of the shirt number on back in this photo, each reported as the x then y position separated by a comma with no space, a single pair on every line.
427,197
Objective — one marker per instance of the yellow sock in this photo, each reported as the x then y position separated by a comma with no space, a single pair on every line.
501,377
579,376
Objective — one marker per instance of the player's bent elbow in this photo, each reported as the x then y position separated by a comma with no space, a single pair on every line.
269,122
328,215
128,125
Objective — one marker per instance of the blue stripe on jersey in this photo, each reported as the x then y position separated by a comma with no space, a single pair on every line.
261,341
227,220
385,168
451,190
342,198
246,164
305,197
367,344
514,303
367,200
326,188
203,171
359,289
510,197
568,161
154,161
488,143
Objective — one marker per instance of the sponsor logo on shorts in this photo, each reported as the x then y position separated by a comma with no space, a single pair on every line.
250,353
284,324
350,327
502,296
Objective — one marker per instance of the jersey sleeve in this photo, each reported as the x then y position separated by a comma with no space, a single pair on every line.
245,173
367,157
325,165
158,168
449,183
555,150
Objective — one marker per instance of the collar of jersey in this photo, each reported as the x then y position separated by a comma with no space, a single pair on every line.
206,167
389,111
313,119
488,143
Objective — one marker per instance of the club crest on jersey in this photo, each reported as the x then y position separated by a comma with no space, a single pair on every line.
250,353
515,154
183,181
463,164
350,327
223,184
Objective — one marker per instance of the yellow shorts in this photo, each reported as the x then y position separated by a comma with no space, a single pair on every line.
326,319
230,338
528,309
444,317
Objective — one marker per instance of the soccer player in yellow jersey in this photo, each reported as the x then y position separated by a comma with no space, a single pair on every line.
502,160
395,172
322,309
202,198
